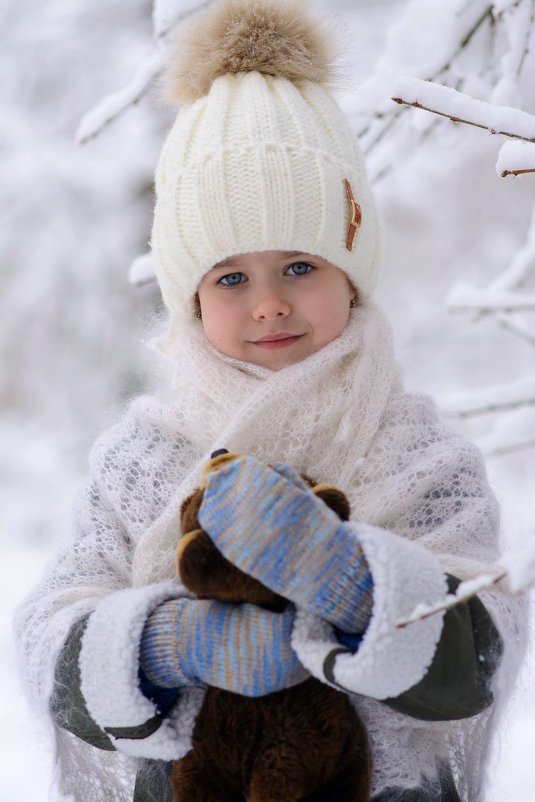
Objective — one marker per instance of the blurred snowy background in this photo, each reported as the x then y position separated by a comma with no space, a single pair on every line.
459,283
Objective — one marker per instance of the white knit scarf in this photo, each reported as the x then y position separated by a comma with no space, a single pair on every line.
319,415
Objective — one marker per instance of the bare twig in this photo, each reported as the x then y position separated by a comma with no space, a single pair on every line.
510,449
506,324
417,105
507,9
394,115
529,32
465,591
489,308
505,173
505,406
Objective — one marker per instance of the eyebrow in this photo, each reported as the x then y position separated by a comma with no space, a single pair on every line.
230,259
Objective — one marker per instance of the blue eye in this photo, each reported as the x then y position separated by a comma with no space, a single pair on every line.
300,268
231,280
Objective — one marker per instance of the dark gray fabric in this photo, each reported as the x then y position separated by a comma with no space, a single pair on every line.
67,705
457,684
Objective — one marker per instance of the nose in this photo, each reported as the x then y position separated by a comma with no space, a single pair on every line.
270,306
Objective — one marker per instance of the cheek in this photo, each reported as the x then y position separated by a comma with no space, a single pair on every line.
330,308
220,319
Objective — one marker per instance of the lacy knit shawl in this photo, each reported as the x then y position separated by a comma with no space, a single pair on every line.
342,416
319,415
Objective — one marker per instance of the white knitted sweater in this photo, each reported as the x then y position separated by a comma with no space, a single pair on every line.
421,506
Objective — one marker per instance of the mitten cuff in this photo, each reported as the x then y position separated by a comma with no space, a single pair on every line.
389,660
159,647
109,670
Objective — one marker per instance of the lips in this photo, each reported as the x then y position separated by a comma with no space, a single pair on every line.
281,340
283,335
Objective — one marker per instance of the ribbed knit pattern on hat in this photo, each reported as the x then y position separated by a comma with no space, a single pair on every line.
259,164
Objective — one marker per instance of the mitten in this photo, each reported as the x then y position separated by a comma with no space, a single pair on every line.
271,525
240,648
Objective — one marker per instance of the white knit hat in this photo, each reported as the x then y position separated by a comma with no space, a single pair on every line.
260,156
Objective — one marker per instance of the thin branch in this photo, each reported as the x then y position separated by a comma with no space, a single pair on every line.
394,115
514,572
465,591
508,8
529,32
510,449
505,173
144,89
417,105
489,308
505,406
506,324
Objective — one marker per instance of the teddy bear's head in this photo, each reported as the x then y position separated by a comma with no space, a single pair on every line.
204,570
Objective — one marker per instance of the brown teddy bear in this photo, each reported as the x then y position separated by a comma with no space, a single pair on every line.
304,743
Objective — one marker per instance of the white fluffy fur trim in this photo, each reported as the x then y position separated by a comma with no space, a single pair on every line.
389,660
109,661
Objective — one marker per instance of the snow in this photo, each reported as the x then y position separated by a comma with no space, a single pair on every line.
115,104
519,567
460,107
515,571
524,260
74,315
26,767
519,391
515,157
141,270
166,13
464,592
518,26
464,296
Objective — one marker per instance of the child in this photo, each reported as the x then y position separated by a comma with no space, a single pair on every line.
267,246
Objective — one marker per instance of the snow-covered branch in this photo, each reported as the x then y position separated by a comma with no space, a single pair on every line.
504,406
516,158
510,448
494,398
118,103
464,298
518,331
165,17
514,572
142,271
461,108
386,120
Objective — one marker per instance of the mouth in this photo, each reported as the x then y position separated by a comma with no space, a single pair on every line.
281,340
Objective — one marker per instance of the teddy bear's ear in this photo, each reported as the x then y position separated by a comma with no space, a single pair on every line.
334,499
189,511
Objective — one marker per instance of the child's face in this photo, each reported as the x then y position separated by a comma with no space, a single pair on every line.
252,297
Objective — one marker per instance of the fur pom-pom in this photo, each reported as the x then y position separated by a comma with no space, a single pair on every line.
274,37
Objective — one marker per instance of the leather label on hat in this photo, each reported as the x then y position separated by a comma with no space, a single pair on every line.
356,216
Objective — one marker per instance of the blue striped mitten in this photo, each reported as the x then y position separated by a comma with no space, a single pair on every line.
271,525
240,648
